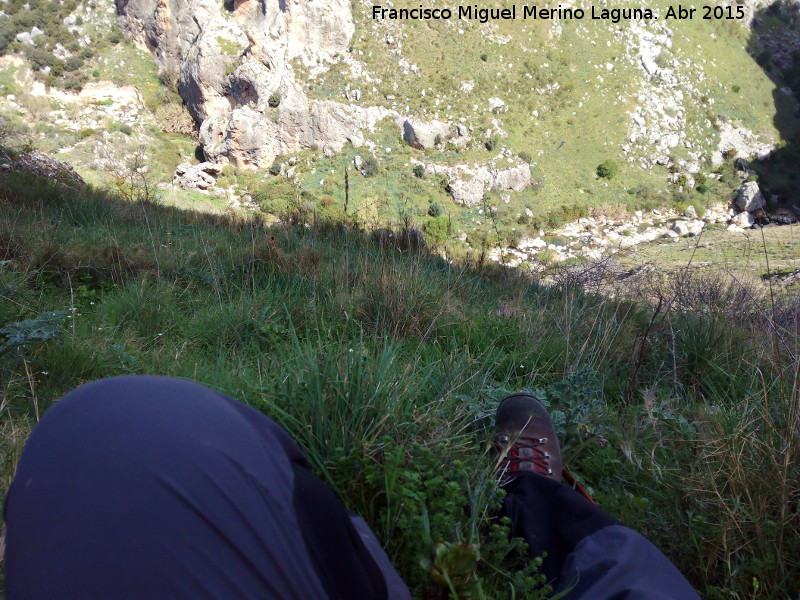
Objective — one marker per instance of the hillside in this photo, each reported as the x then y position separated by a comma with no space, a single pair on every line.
677,415
452,117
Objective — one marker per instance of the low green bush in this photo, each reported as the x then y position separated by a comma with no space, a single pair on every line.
608,169
370,166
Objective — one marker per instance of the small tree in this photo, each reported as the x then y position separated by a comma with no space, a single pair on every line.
419,171
135,181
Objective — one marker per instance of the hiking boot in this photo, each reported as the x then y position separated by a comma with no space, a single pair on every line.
528,438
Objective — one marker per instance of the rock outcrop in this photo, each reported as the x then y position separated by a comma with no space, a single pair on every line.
41,165
420,134
750,198
234,71
196,177
740,143
467,185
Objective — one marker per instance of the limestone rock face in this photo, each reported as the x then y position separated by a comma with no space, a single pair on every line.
467,184
515,179
197,177
421,134
468,192
233,70
742,143
41,165
750,197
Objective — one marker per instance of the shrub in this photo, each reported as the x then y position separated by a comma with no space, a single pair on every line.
73,63
608,169
434,210
40,58
370,166
547,256
491,143
419,171
114,37
275,167
437,229
525,156
728,176
274,100
702,189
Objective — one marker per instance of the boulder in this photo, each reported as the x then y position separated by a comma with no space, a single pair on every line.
496,105
467,192
423,134
515,179
744,220
410,240
695,226
201,177
750,197
688,228
41,165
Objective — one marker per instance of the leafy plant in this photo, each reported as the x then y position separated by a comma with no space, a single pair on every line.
22,337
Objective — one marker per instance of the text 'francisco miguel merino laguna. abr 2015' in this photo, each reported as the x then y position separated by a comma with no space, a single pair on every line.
531,11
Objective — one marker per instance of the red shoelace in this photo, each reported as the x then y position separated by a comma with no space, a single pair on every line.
526,450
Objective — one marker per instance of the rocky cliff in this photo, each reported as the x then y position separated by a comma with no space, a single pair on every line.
235,68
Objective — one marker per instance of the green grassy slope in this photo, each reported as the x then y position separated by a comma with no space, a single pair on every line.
563,76
385,365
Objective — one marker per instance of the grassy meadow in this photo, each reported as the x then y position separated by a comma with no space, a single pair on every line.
676,397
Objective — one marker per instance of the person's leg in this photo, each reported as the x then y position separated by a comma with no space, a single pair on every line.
551,517
150,487
590,554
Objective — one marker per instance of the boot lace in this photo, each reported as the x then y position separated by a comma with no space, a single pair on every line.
525,455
